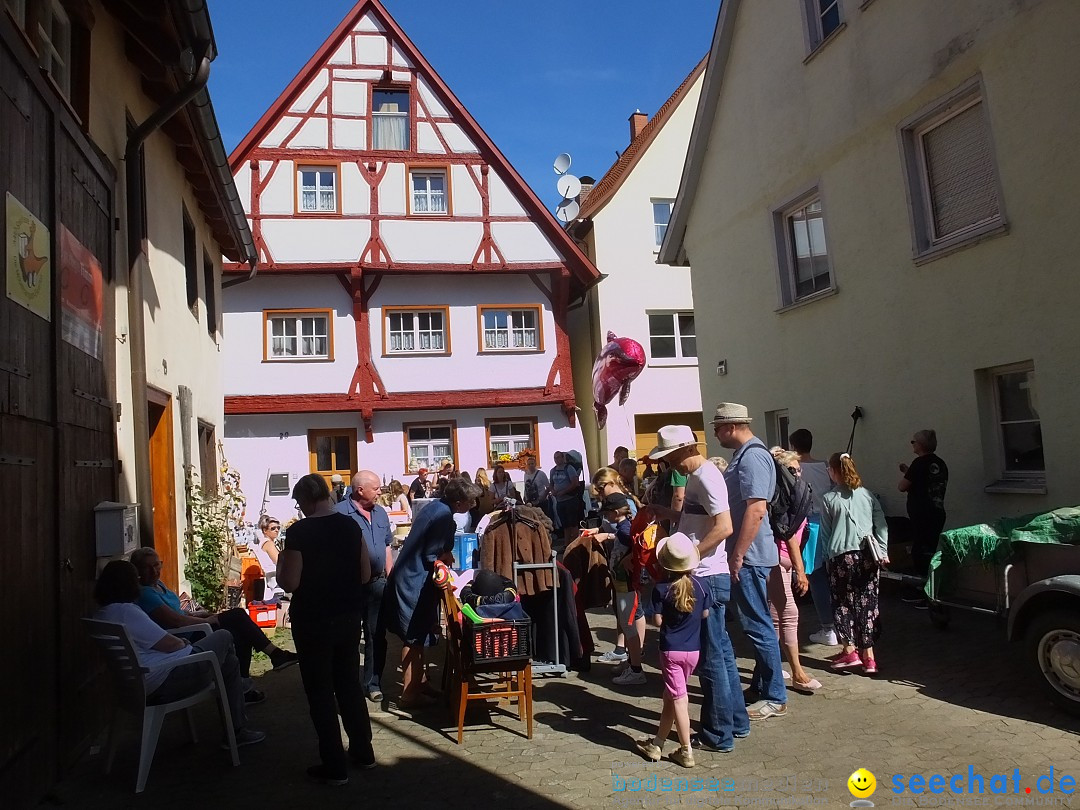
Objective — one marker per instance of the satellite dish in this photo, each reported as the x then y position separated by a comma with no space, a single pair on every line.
562,163
569,186
567,210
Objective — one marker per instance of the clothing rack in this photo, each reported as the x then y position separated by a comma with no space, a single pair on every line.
555,667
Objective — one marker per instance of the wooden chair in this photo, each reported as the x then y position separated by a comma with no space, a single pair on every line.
467,680
130,694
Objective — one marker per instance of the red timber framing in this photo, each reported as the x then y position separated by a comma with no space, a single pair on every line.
561,280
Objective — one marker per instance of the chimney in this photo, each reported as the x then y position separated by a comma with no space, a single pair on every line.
587,184
637,123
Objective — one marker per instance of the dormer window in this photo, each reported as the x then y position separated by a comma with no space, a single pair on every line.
390,120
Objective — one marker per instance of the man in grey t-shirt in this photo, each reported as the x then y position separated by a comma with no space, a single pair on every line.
752,553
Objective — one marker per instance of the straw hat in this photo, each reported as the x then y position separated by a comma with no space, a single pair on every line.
672,437
336,479
677,553
731,413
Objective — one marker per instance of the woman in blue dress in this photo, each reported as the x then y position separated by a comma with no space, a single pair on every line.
411,601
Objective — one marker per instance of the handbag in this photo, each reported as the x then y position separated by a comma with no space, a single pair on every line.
871,549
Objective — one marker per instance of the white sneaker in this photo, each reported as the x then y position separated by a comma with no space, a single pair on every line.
825,637
612,657
630,678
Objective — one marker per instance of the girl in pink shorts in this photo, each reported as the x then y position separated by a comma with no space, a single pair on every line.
679,607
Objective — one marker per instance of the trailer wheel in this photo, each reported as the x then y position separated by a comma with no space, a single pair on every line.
1053,654
939,616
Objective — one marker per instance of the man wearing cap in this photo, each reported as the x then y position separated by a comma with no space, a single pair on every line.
337,486
706,520
752,552
419,487
362,506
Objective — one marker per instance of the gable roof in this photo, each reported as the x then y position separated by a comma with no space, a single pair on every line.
672,251
604,190
576,261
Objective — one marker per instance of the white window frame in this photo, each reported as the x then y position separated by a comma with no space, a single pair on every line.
54,51
926,244
17,8
512,440
660,228
778,428
375,114
679,359
415,331
430,459
318,189
1030,476
813,18
513,326
787,274
426,174
299,336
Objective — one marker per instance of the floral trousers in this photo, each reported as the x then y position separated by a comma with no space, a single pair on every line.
853,583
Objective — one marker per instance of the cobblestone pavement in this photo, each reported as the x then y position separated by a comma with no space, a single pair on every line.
943,702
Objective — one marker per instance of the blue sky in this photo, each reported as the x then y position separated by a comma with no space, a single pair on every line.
540,77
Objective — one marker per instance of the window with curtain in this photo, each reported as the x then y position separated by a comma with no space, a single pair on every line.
298,336
809,267
415,331
318,189
661,216
390,120
510,438
429,192
429,445
511,329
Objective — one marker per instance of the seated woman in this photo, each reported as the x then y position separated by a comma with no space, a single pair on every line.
116,591
501,485
163,606
411,600
399,501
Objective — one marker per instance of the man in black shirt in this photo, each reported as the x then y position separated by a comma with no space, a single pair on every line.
418,489
925,481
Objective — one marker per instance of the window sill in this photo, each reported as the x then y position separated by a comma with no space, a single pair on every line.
298,359
821,45
318,213
974,237
1016,487
810,299
416,354
429,215
674,362
484,352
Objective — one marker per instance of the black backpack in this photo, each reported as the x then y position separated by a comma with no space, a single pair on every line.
791,502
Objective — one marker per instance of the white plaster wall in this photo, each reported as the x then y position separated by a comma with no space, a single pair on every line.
350,98
370,50
456,138
343,55
246,372
466,196
502,200
258,444
431,240
624,247
900,340
243,185
427,140
465,368
312,135
355,193
434,106
277,134
523,242
313,90
279,196
349,133
392,190
369,23
316,240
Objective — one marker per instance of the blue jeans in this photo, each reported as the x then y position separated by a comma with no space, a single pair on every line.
752,598
374,636
723,710
819,591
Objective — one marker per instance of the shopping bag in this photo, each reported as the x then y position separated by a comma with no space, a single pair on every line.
810,547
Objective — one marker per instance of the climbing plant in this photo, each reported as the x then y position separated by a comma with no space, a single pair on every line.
211,537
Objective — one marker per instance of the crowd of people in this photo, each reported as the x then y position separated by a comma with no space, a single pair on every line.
717,551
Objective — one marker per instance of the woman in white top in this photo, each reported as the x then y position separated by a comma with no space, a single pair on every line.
116,591
399,501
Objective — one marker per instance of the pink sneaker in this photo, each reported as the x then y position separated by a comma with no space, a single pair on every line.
847,661
869,666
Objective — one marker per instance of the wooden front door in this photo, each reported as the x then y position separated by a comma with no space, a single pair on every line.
332,451
163,484
646,425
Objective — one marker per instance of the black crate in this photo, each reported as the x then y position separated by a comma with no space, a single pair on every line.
497,642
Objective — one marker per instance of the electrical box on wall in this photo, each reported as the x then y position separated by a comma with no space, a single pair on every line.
117,528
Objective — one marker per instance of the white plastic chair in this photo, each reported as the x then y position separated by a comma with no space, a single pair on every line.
130,694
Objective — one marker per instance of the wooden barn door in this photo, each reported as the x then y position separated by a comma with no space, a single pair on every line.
86,423
28,552
163,483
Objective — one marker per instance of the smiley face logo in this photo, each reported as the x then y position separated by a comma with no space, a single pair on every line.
862,784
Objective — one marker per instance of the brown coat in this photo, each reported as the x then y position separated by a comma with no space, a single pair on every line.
587,563
509,540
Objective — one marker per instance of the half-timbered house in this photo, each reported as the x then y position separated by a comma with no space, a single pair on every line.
412,295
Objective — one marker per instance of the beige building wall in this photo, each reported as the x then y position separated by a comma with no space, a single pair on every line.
179,349
903,341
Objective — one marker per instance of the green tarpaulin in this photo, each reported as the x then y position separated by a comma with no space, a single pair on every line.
992,545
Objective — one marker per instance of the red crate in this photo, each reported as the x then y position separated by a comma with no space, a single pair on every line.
264,615
498,642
